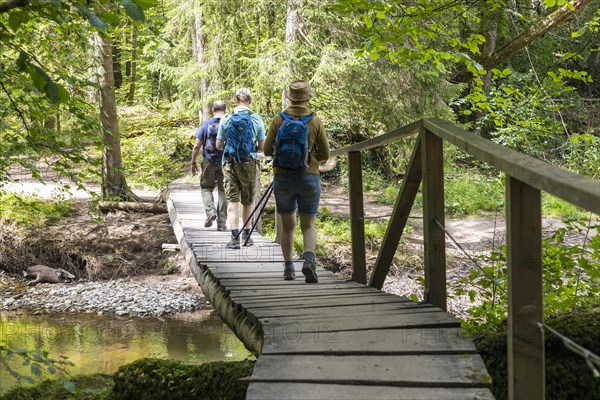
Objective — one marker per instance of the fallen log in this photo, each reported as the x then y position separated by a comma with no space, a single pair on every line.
154,208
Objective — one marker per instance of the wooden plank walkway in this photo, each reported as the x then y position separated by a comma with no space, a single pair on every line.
331,340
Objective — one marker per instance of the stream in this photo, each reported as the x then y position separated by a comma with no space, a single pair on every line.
103,343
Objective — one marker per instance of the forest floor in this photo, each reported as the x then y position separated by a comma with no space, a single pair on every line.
129,245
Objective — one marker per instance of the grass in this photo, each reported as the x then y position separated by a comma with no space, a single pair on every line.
473,194
31,212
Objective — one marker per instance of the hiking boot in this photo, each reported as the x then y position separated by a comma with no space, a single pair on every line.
309,270
221,227
233,244
288,271
209,219
247,241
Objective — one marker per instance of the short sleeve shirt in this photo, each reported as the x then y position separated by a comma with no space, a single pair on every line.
202,134
258,126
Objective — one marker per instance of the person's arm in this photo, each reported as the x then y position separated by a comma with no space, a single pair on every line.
221,133
271,135
195,151
260,131
321,142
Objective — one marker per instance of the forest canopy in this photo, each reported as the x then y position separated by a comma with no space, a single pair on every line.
524,74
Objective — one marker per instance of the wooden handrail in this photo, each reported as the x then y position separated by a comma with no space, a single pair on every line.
574,188
526,178
392,136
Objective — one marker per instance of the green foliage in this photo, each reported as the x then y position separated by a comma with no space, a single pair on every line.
86,387
571,274
156,158
45,82
152,378
567,375
30,212
39,363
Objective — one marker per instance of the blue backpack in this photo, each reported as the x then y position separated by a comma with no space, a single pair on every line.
291,144
210,142
239,141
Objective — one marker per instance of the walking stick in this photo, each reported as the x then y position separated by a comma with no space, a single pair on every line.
268,191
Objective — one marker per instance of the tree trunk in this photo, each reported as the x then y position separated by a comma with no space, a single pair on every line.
133,77
154,208
293,24
525,38
489,29
117,74
113,179
199,41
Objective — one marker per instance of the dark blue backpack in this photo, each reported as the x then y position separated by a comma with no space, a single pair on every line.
239,142
210,142
291,144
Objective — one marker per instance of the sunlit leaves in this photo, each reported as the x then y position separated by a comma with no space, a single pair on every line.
92,18
56,93
133,10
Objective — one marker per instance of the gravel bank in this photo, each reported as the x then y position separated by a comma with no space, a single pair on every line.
122,297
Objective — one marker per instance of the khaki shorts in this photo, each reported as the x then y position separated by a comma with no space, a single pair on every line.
240,182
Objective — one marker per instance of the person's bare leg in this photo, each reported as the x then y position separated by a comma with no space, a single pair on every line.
308,225
233,216
288,225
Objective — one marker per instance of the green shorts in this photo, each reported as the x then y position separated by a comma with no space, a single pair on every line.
240,182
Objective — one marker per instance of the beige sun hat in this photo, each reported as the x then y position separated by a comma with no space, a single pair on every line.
299,90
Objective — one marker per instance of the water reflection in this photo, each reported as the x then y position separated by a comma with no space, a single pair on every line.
102,343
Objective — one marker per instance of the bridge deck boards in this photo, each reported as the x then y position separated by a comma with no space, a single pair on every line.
335,339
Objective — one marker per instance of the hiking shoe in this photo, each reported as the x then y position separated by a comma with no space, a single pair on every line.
288,271
309,270
247,241
233,244
209,219
221,227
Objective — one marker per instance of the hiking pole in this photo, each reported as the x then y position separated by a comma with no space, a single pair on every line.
270,188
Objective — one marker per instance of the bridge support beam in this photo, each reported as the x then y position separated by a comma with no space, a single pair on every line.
395,228
526,377
357,217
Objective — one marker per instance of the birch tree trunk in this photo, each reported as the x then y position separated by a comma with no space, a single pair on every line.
199,49
293,24
113,179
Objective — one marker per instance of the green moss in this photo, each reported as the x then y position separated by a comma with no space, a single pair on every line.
31,212
152,378
567,375
87,387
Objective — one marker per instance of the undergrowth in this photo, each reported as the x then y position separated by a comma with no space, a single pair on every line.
30,212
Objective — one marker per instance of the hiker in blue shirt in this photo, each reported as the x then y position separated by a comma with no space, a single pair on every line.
241,136
206,138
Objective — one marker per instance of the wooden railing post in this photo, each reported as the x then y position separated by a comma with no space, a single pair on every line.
526,378
433,210
357,217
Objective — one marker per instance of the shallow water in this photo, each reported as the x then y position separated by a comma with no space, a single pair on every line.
102,343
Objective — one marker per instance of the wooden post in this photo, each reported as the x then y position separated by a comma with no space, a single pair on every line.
433,209
526,377
357,217
404,202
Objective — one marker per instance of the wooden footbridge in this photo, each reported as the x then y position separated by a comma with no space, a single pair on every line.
342,339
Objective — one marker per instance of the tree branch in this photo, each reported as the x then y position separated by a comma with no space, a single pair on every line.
10,4
525,38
